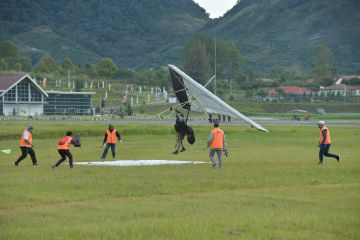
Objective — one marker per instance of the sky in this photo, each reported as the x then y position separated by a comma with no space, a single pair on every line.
216,8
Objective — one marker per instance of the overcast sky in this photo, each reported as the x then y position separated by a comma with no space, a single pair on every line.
216,8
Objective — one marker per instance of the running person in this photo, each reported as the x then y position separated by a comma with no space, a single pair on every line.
63,149
324,143
26,146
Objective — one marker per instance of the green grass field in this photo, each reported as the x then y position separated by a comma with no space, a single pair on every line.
271,186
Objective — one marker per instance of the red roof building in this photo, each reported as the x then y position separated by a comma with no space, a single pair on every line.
291,90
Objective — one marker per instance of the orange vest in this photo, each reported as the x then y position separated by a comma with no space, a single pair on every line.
23,143
66,145
327,140
218,138
111,136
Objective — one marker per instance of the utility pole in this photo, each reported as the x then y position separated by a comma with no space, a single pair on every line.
68,72
230,86
215,68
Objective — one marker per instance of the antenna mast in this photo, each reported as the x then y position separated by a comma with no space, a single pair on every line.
215,68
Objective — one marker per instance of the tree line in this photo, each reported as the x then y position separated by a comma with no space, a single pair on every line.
106,68
201,56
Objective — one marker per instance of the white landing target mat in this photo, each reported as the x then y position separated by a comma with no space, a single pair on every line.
128,163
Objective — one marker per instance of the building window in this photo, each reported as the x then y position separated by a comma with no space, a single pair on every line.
23,91
68,104
35,94
10,96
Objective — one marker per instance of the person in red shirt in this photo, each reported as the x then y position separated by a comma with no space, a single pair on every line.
63,149
324,143
110,139
26,146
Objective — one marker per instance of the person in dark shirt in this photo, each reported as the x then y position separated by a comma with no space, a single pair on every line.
324,143
110,139
180,128
210,118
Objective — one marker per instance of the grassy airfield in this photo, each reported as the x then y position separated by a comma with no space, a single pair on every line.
271,186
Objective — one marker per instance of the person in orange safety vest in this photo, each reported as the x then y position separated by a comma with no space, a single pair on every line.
111,135
63,149
26,146
324,143
217,144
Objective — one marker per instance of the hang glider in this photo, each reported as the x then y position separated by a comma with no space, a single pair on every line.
193,96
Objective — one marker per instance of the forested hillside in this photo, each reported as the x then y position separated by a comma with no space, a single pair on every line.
278,34
270,34
134,33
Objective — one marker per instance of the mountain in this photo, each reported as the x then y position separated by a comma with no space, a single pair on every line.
278,34
134,33
270,34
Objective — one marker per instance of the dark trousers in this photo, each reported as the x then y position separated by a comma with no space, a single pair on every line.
109,145
24,152
65,153
324,151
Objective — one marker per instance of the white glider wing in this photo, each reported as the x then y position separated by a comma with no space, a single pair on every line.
194,96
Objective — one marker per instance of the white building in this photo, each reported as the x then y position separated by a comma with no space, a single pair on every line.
339,90
21,95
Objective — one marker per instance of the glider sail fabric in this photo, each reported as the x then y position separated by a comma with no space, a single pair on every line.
179,89
193,95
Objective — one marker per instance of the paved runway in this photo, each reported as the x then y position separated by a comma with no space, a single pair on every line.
260,120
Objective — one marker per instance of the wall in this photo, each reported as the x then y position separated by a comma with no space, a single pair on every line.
23,109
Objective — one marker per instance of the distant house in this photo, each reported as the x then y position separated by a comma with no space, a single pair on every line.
289,90
21,95
357,91
285,92
339,90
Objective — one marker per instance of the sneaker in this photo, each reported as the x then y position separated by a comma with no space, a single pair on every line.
320,162
71,166
102,159
16,164
338,158
182,150
35,165
214,165
175,152
53,166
